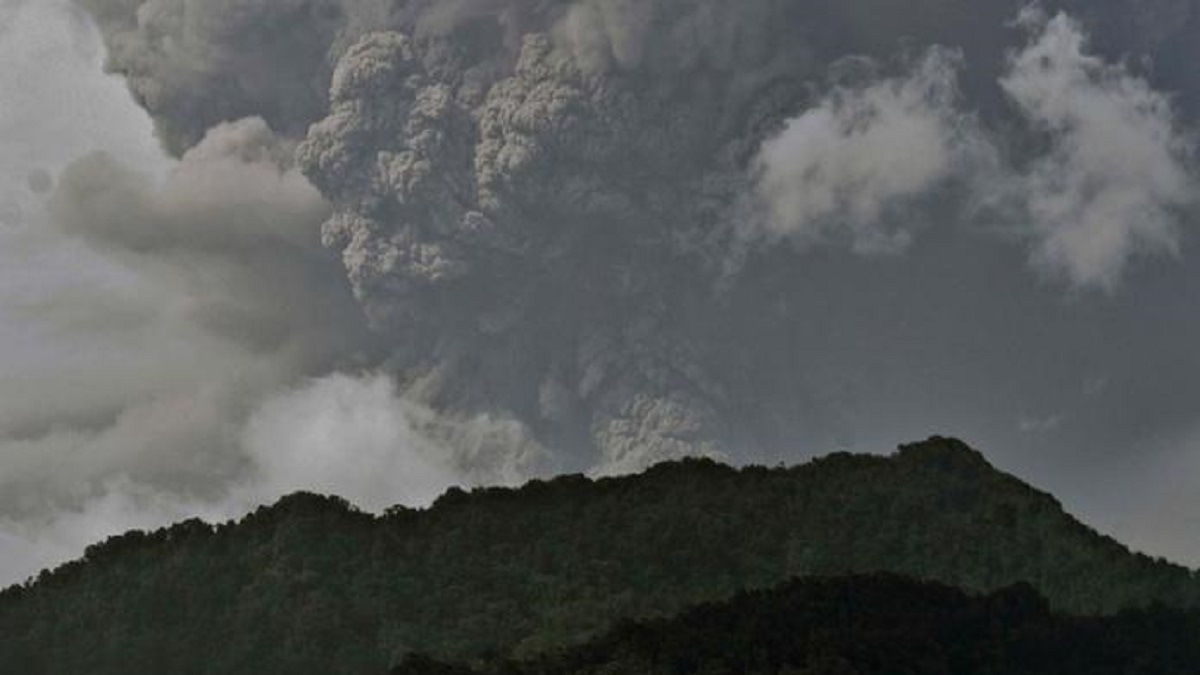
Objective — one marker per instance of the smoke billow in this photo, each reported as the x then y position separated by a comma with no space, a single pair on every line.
354,436
458,227
194,64
192,317
538,204
404,244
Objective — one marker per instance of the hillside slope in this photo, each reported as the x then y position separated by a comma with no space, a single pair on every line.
876,625
311,585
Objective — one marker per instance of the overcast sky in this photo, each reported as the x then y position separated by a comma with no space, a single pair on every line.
274,250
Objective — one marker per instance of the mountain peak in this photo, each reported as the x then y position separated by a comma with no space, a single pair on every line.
944,452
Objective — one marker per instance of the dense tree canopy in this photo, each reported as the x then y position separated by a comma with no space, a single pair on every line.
311,585
872,625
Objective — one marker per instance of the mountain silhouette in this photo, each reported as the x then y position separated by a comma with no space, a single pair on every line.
311,584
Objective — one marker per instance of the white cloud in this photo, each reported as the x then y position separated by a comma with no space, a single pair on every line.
357,437
844,171
1118,170
352,437
1109,186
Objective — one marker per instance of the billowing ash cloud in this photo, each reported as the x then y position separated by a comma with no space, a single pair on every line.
511,283
403,244
538,204
213,291
193,64
223,303
1118,174
232,225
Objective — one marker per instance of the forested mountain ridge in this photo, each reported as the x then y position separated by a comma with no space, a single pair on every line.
871,625
312,585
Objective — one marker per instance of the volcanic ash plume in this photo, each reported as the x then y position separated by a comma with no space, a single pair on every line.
508,280
547,208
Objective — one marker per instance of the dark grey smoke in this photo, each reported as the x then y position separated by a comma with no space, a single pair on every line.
579,213
536,244
195,64
40,181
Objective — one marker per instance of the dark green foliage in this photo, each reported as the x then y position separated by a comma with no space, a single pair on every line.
310,585
873,625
